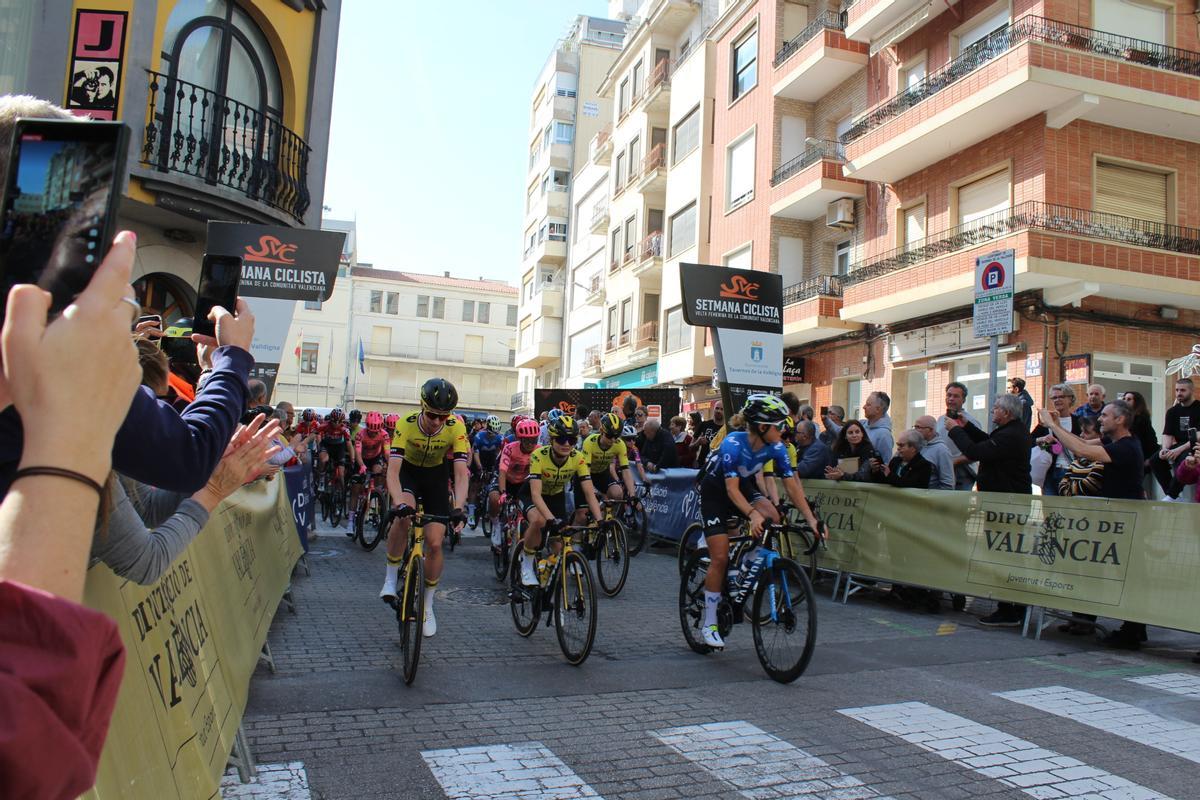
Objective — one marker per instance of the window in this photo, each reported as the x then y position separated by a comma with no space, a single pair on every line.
745,64
546,137
626,317
630,235
637,79
308,357
619,173
485,313
635,155
564,132
686,136
841,258
616,245
985,196
422,305
1131,192
468,314
843,126
912,227
612,327
914,405
393,303
376,306
678,331
978,27
623,97
683,230
512,316
312,305
439,308
527,288
1130,18
912,73
740,259
739,172
558,231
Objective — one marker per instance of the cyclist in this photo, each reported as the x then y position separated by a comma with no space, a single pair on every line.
485,450
355,422
729,492
629,437
514,469
372,445
544,438
417,472
606,454
786,434
543,498
335,444
511,436
389,423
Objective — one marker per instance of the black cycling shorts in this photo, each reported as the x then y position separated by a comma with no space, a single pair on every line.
557,503
429,485
716,507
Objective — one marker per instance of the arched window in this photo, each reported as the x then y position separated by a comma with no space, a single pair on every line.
165,294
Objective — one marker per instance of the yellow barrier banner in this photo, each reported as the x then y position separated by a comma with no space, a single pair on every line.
192,641
1127,559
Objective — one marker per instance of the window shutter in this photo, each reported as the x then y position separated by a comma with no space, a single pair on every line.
1131,192
984,196
914,224
741,169
1136,20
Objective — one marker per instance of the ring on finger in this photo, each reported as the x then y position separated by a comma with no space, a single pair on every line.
137,307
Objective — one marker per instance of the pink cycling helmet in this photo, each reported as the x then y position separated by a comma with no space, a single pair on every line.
528,429
374,420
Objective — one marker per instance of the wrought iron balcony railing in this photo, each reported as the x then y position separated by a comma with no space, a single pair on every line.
826,20
816,286
520,400
195,131
1027,29
817,150
1031,215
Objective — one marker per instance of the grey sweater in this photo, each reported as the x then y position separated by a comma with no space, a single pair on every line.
129,548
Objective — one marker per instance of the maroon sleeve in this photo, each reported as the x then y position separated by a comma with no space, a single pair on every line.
60,668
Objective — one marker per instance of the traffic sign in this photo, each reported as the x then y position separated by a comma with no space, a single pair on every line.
994,286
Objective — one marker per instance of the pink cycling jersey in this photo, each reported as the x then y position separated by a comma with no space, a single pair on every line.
514,463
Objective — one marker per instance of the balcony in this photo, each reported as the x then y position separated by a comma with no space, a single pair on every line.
653,177
889,20
1029,67
222,149
657,96
616,342
521,401
818,59
546,302
649,257
595,291
439,355
540,343
600,148
550,249
808,183
1068,253
599,218
591,361
645,344
811,311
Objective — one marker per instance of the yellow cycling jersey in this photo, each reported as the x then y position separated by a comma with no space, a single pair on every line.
599,457
769,467
553,478
420,449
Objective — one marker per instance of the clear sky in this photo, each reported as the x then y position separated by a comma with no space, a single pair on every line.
430,125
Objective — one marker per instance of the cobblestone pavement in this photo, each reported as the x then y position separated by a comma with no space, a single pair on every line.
896,703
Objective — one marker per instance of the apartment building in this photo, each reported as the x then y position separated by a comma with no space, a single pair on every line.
565,114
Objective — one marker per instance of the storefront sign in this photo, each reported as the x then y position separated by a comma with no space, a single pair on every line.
634,378
793,369
280,262
1077,369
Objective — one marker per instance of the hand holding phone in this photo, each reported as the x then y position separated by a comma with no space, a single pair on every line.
220,277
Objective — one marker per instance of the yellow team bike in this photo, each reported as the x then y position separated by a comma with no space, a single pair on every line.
410,603
565,593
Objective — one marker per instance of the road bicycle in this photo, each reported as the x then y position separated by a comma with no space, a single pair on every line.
606,542
512,528
372,508
481,503
635,520
409,605
797,540
783,615
331,492
565,594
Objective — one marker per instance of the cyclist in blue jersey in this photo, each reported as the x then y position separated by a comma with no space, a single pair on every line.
729,492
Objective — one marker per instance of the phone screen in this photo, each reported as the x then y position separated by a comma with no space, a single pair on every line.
60,195
219,280
179,349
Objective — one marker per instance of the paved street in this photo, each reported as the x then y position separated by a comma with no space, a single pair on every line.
896,703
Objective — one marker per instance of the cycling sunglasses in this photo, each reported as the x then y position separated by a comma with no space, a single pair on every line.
435,415
565,440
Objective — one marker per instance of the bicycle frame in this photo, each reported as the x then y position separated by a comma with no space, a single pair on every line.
745,585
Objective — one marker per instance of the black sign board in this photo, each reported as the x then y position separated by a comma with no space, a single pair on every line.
793,369
267,373
1077,369
573,400
280,262
743,299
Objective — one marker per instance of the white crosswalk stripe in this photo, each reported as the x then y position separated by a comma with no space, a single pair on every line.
1015,762
1184,683
1120,719
273,782
511,771
761,766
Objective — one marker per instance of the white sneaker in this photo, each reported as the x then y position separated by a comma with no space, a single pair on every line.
528,573
429,628
497,535
389,588
712,638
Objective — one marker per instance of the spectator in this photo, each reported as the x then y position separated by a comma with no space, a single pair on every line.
812,455
907,469
628,407
718,419
1182,417
876,422
656,445
956,397
806,412
685,451
793,405
1017,386
935,451
61,664
1062,398
156,373
258,393
639,418
593,419
1143,428
585,429
852,454
1003,458
286,414
1095,404
832,422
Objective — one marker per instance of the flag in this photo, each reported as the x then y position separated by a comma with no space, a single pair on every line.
298,339
362,357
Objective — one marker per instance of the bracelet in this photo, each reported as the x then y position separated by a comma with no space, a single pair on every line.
59,472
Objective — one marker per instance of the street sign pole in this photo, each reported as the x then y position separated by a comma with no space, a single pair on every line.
993,368
995,281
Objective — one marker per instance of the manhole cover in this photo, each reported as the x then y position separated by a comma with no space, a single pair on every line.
476,597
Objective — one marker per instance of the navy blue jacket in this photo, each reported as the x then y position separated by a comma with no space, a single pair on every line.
156,444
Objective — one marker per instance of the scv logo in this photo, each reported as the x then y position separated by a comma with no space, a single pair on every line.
270,248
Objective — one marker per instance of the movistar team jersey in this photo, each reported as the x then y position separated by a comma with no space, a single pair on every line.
554,478
769,469
487,445
736,459
420,449
599,457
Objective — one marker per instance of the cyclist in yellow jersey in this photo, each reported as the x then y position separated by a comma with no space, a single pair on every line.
543,498
786,435
604,450
418,472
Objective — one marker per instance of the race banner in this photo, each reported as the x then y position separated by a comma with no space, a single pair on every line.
280,262
300,494
665,401
192,641
673,503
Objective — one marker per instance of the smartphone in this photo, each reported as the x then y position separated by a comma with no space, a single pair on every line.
155,318
179,349
62,187
824,411
220,277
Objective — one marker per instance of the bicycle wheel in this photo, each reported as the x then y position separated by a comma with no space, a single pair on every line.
784,621
412,616
337,503
612,557
575,608
522,600
486,522
371,532
636,527
691,601
687,543
500,559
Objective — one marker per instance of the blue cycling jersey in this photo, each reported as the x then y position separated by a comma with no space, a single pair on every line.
734,458
487,445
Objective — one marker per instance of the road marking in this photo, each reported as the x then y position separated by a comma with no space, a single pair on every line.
1184,683
275,781
1104,672
759,765
1176,737
519,771
947,628
1014,762
900,626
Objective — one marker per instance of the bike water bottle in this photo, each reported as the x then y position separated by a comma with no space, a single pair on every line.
751,563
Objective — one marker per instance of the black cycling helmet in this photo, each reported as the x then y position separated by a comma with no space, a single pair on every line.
308,415
336,415
610,423
439,396
764,409
563,426
355,416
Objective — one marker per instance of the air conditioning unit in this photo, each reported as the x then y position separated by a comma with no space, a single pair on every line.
840,213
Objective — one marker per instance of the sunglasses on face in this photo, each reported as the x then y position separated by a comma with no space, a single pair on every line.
565,440
432,415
